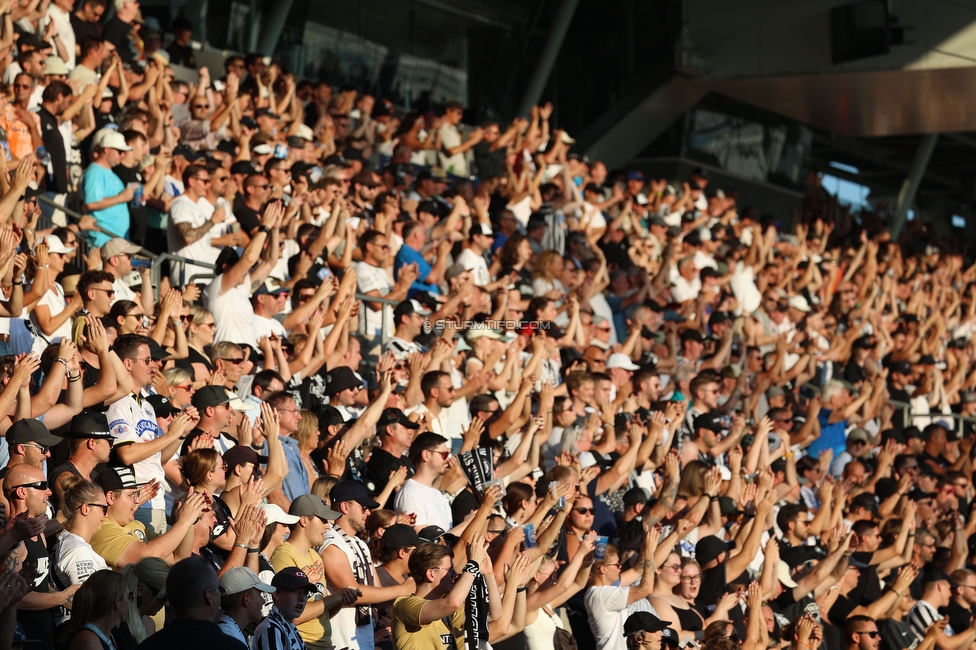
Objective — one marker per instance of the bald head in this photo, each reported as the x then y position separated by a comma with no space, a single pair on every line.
20,474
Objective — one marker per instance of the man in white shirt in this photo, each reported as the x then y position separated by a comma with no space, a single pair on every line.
472,258
189,231
686,284
429,453
269,300
453,154
373,280
409,318
117,260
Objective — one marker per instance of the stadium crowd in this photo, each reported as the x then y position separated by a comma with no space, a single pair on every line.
404,383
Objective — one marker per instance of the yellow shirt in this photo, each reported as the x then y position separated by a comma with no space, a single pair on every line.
409,634
111,540
317,632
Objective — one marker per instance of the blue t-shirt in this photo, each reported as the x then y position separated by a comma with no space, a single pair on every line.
100,183
832,436
407,255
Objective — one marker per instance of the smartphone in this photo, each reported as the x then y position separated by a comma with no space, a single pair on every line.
280,151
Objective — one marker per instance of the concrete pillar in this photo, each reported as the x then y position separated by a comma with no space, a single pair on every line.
557,33
906,197
274,21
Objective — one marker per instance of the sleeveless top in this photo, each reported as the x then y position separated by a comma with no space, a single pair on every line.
539,635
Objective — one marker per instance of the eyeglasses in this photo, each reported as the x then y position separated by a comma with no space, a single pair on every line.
131,597
874,634
27,86
673,567
260,186
42,448
205,181
442,568
184,386
108,292
236,362
586,511
147,360
201,106
103,506
36,485
443,454
692,579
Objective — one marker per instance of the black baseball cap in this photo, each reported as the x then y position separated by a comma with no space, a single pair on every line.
643,622
242,455
712,421
162,406
399,536
210,396
292,579
902,367
709,548
351,491
340,379
117,478
394,416
31,430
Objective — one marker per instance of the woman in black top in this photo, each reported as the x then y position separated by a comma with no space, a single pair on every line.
199,335
99,606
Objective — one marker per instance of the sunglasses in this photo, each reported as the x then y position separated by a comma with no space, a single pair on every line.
36,485
103,506
586,511
236,362
874,634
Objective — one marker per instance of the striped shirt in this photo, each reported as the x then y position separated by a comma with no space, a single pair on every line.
922,616
277,633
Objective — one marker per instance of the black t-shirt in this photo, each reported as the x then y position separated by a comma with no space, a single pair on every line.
182,55
490,163
119,34
794,556
960,617
897,635
38,624
523,283
194,357
464,503
248,218
54,144
379,468
712,587
868,587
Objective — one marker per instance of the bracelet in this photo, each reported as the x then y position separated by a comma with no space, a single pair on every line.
253,550
789,455
258,448
243,546
521,590
64,363
472,568
43,266
911,534
713,498
75,377
18,284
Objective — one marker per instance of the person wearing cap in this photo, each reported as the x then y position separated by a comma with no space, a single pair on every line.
645,630
704,390
269,300
398,543
621,370
121,539
372,280
106,196
53,313
343,386
396,433
241,601
429,453
857,445
293,594
348,562
117,260
300,551
29,442
138,441
193,593
215,409
89,444
409,318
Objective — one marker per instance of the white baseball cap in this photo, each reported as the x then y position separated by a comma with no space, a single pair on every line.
621,360
278,516
111,139
55,245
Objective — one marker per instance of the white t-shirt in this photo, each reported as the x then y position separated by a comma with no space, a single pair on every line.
75,560
55,301
373,278
62,27
135,422
430,506
607,611
475,263
458,163
232,311
266,326
682,290
195,213
743,285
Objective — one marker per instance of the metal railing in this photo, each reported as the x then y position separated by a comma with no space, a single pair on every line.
77,216
908,416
